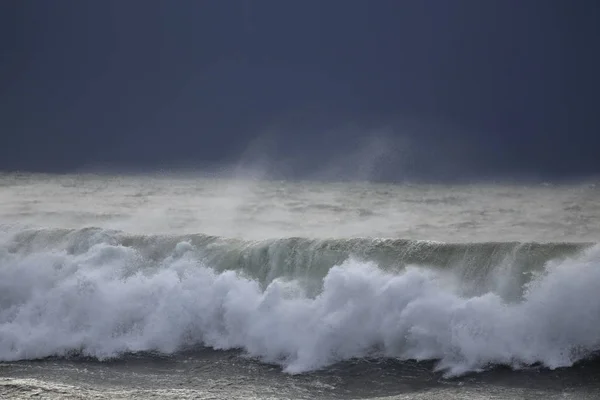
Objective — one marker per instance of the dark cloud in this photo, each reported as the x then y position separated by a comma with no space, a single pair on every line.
461,89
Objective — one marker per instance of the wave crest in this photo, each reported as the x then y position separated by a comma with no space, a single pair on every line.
102,294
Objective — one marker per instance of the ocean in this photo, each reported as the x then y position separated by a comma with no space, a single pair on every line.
181,286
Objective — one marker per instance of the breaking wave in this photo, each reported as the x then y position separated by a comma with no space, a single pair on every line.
301,303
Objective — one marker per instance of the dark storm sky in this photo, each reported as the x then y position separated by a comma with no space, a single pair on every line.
444,89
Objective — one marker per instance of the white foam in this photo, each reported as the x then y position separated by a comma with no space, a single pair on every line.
103,302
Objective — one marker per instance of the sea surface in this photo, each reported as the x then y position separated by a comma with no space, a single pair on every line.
181,287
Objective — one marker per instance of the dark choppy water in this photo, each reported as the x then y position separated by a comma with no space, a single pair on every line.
210,374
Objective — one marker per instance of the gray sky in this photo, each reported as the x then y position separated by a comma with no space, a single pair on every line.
400,89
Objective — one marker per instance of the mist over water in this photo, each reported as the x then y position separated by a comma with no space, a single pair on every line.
260,209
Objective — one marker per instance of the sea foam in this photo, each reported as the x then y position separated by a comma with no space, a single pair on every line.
103,299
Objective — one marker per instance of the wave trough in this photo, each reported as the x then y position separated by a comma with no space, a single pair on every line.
301,303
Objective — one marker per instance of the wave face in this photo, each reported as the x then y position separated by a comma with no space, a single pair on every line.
301,303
